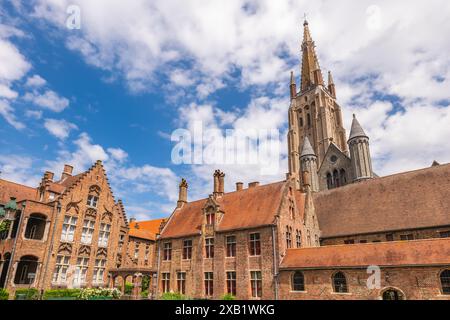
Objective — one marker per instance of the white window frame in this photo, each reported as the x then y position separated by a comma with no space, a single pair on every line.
88,231
103,235
68,229
81,268
92,201
99,271
61,268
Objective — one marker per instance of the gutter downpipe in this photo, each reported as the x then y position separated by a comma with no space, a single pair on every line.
275,264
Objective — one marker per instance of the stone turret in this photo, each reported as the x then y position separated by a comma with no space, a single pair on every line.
358,143
308,160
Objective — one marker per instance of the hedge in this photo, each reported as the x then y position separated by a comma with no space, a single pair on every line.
26,294
63,294
4,295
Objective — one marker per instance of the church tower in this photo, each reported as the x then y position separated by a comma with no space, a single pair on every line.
314,112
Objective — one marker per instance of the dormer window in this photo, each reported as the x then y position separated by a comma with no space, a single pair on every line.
92,201
210,218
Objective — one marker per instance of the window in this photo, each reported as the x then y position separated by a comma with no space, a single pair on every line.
167,252
317,240
339,283
298,238
210,218
165,282
349,241
363,241
337,181
390,237
80,271
298,281
121,240
343,177
255,244
231,283
308,116
288,237
35,228
291,209
103,236
147,252
301,122
444,234
256,284
329,181
60,274
209,284
445,281
136,251
231,246
88,231
409,236
308,237
209,248
68,229
99,271
187,249
92,201
181,282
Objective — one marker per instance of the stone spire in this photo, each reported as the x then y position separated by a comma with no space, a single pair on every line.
311,73
357,130
361,160
331,87
293,86
307,149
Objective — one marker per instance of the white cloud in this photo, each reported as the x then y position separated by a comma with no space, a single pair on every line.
59,128
18,169
34,114
36,81
6,92
48,100
118,154
7,112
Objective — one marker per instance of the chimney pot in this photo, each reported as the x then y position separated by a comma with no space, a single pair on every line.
239,186
219,183
253,184
182,196
67,172
49,176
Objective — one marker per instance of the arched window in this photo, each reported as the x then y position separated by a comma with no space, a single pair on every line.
329,181
288,237
26,270
343,177
309,120
445,281
298,281
301,121
4,271
339,283
337,182
35,226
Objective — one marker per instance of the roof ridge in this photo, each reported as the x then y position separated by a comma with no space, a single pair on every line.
17,184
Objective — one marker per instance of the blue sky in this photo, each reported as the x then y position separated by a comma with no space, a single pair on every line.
117,88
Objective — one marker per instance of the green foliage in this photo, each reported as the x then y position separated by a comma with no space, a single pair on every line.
99,294
4,225
4,295
145,283
129,288
144,294
63,294
173,296
228,297
26,294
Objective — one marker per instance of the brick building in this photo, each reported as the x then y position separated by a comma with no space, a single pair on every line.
66,233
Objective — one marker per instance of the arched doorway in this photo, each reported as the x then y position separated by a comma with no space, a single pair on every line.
6,262
26,270
393,294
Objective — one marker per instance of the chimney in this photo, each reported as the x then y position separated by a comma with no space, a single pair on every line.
253,184
67,172
48,176
219,183
182,196
239,186
132,220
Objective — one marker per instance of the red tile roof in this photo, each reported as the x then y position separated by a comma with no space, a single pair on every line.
248,208
145,229
409,200
10,189
400,253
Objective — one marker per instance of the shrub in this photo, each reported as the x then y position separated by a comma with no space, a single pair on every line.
228,297
99,294
26,294
144,294
129,288
64,294
173,296
4,295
